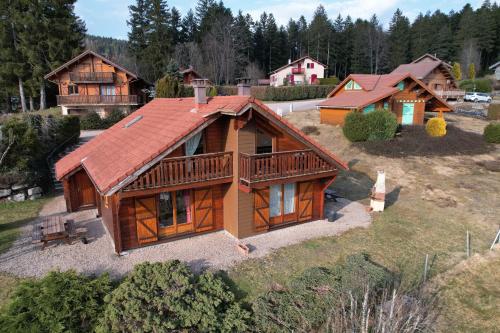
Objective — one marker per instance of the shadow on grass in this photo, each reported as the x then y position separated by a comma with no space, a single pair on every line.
414,141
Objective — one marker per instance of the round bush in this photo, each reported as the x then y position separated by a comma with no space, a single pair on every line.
436,127
92,121
164,297
60,302
382,125
492,133
356,127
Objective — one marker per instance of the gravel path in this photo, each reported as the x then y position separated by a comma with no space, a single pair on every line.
214,250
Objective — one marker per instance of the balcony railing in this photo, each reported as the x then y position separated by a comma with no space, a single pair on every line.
265,167
458,94
298,70
92,77
97,99
186,170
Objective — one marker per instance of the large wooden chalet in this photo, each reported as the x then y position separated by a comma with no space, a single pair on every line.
435,73
90,82
401,93
185,166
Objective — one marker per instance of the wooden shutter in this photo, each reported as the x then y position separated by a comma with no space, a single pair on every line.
203,209
146,219
261,214
305,201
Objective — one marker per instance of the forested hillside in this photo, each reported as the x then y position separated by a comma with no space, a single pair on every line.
224,45
114,49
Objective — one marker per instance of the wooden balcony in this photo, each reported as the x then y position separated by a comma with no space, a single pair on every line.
97,99
452,94
298,70
204,169
92,77
259,169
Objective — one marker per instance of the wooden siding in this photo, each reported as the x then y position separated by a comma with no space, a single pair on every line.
215,135
333,116
128,226
230,191
246,144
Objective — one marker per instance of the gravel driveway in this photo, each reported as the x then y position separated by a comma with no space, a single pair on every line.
214,250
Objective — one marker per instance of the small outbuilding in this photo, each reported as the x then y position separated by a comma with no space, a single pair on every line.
402,94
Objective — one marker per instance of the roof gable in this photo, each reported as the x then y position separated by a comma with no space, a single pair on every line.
84,55
297,61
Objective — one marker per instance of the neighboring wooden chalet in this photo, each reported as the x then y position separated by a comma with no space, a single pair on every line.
90,82
401,94
185,166
189,74
305,70
435,73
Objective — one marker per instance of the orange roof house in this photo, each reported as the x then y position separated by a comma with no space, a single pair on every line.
435,73
91,82
184,166
401,93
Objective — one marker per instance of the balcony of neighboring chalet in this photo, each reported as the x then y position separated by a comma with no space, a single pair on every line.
297,71
186,171
92,77
257,170
97,100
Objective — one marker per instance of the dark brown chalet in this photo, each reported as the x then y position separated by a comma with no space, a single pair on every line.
185,166
90,82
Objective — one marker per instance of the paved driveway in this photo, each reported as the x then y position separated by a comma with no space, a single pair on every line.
214,250
283,108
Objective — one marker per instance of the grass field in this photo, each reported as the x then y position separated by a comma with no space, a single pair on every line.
432,202
13,215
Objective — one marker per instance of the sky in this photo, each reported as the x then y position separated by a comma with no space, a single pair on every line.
109,17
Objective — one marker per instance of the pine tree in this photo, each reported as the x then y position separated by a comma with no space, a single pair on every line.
175,25
138,23
189,27
399,40
158,51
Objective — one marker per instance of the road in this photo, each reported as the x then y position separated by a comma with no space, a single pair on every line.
282,108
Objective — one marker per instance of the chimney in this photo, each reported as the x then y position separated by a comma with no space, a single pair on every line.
200,91
289,61
244,87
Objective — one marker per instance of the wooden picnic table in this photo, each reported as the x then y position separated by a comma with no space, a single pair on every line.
56,227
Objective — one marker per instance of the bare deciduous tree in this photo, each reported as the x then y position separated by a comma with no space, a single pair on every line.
10,143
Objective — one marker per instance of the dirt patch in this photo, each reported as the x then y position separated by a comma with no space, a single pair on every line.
439,197
414,141
311,130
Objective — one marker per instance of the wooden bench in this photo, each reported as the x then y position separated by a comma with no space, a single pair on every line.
53,228
76,233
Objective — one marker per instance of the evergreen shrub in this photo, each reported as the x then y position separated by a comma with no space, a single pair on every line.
329,81
113,117
436,127
59,302
382,125
356,127
161,297
92,121
492,133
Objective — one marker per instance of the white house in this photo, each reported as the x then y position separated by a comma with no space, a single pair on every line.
305,70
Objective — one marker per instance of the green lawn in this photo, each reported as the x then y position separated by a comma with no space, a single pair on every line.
13,215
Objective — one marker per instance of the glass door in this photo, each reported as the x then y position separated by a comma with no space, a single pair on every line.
175,212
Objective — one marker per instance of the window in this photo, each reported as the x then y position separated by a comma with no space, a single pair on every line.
369,108
72,89
310,65
282,196
108,90
356,86
348,86
175,208
352,85
401,86
264,142
386,105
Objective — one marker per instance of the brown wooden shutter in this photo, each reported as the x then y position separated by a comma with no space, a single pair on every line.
261,214
146,219
305,201
203,209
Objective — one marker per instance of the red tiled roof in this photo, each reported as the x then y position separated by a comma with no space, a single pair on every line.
118,152
419,70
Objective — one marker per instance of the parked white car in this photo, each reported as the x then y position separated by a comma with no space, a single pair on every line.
477,97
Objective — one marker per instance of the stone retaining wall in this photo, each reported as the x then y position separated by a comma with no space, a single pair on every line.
19,192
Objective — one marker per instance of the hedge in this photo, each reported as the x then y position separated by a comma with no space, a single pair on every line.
480,85
286,93
92,121
373,126
492,133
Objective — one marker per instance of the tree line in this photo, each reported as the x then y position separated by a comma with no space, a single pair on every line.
223,46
